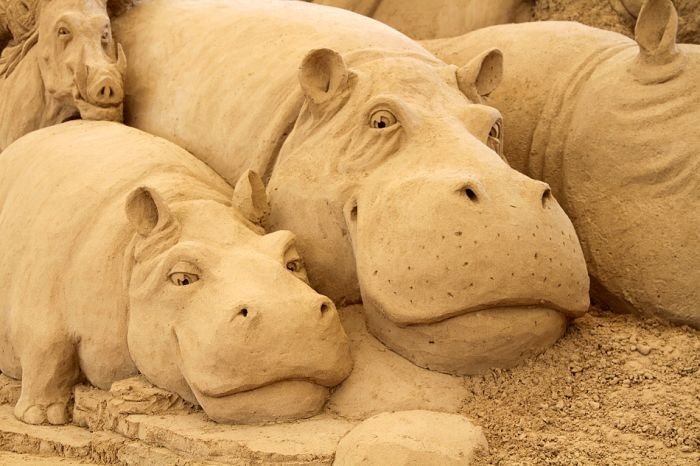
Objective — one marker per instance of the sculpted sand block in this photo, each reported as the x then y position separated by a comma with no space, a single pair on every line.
379,156
123,254
67,66
611,125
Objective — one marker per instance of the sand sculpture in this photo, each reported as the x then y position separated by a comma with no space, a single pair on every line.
379,163
438,18
62,64
122,254
612,128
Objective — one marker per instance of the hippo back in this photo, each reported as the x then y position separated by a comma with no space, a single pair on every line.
242,58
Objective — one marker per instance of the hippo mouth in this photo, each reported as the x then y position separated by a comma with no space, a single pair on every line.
473,340
279,401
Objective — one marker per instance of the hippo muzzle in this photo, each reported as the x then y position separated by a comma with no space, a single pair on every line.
463,272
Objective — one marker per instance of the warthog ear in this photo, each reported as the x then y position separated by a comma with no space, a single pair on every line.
322,75
481,75
250,199
655,32
147,211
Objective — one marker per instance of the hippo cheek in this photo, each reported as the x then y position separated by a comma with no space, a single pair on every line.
441,268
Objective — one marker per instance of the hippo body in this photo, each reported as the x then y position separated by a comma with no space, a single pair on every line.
179,285
611,124
381,159
438,18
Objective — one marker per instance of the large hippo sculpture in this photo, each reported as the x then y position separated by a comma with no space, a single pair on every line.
377,158
66,67
122,254
611,125
438,18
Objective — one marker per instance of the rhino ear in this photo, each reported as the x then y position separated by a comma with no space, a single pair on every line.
659,59
147,211
250,199
655,32
481,75
323,75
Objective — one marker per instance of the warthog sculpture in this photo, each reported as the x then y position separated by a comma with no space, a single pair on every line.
122,254
611,124
378,157
67,67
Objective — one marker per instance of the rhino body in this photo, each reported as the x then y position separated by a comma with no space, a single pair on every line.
122,254
611,124
380,158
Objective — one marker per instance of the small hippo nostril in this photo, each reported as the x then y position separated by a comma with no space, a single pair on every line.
243,312
324,308
471,194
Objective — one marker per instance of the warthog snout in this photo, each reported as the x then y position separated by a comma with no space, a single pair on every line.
106,89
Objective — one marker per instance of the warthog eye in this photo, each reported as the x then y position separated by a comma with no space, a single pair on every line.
183,279
382,119
295,266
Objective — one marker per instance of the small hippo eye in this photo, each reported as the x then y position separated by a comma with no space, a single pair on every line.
382,119
63,31
294,266
495,139
495,130
183,279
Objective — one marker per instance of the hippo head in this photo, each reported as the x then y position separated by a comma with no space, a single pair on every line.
81,67
632,184
393,180
222,314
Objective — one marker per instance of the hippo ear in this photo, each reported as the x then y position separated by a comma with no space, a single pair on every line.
659,59
322,75
147,211
250,199
481,75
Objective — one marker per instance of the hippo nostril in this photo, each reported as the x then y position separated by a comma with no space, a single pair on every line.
243,312
324,308
471,194
546,197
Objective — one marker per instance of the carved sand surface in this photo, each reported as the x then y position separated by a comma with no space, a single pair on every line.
616,389
288,234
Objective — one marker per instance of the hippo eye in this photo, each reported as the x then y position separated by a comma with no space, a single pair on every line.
495,139
382,119
183,279
63,32
295,266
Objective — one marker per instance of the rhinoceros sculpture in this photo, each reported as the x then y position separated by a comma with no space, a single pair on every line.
67,66
377,159
611,125
438,18
122,254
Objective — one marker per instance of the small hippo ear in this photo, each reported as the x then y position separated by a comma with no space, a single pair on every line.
481,75
250,199
322,75
659,59
146,210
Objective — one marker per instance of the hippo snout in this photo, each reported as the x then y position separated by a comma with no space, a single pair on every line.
445,254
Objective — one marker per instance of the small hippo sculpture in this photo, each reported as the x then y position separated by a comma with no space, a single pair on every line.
122,254
67,66
612,125
379,157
